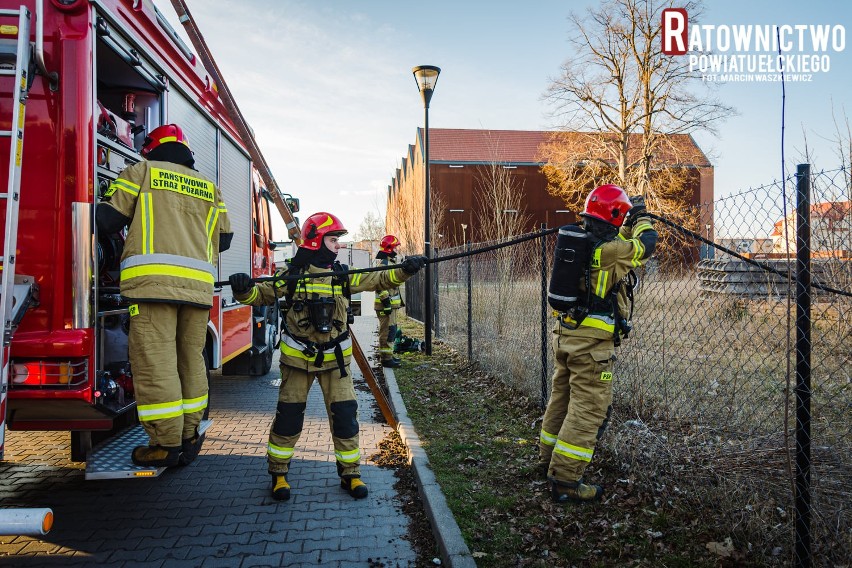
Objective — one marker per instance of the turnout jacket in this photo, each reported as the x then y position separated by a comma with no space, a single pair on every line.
302,346
177,225
393,294
611,262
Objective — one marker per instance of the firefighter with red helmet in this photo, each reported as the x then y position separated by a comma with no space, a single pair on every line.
618,238
177,226
315,343
387,303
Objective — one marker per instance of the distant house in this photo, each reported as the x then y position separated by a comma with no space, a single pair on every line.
459,157
831,230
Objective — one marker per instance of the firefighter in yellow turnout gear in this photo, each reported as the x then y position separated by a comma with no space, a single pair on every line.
315,342
177,225
621,238
386,304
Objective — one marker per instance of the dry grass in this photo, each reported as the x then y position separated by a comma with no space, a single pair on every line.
706,377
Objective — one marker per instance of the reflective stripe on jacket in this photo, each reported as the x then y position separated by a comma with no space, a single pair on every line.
297,353
172,246
393,293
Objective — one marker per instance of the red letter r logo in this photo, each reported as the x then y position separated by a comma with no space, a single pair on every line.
675,23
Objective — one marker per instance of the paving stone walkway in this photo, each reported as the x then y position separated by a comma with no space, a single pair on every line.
218,511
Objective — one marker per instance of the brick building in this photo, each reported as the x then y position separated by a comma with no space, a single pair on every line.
458,160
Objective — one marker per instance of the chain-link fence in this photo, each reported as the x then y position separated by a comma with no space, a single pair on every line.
706,384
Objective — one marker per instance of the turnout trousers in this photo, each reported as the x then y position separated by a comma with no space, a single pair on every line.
579,406
387,333
340,404
166,343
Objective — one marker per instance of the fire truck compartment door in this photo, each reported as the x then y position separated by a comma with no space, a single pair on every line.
235,183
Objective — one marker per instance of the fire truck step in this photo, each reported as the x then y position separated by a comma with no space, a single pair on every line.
111,459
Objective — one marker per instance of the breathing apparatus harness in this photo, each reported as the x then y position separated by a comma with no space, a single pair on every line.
572,263
319,316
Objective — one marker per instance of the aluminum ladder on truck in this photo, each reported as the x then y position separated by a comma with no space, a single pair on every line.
17,292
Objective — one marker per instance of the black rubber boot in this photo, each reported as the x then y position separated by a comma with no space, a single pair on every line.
156,456
574,491
280,487
391,363
189,449
354,486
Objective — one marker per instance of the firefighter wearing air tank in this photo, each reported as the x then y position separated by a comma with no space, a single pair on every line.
591,291
315,342
386,304
177,226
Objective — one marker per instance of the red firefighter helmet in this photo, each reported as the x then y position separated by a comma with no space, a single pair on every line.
608,203
318,226
161,135
389,242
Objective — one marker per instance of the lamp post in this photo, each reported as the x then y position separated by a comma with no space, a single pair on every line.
426,77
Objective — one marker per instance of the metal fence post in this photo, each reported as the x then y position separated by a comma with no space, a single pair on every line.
803,367
543,317
469,305
436,292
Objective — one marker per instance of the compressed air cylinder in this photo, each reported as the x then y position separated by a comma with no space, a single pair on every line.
570,261
28,522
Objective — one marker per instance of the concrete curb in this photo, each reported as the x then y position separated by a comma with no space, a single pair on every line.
454,550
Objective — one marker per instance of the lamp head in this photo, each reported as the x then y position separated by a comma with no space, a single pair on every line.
426,77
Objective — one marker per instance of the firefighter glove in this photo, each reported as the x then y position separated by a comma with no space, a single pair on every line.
413,264
240,282
633,213
386,303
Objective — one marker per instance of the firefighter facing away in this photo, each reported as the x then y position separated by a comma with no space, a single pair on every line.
592,287
177,226
315,343
387,303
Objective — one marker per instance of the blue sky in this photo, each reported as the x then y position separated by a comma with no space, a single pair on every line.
328,89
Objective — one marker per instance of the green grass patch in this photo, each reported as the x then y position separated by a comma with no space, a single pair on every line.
481,437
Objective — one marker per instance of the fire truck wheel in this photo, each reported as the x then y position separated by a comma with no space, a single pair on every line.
266,363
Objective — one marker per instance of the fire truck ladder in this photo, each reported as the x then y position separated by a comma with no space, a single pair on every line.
17,292
236,116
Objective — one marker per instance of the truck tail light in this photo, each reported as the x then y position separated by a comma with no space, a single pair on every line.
49,373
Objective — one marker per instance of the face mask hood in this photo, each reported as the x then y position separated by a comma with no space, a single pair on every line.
324,258
173,152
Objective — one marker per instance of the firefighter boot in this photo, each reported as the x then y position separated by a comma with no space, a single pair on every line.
391,363
189,448
574,491
280,487
156,456
541,470
355,487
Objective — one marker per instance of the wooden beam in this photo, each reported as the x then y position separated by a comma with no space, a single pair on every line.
367,371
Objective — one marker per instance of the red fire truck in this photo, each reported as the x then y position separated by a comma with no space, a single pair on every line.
81,83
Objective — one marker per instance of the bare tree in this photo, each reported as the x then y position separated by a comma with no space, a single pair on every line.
371,229
405,217
500,196
501,216
621,100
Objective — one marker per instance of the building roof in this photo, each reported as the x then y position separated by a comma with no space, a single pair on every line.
522,146
831,211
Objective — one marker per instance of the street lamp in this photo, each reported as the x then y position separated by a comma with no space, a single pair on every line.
426,77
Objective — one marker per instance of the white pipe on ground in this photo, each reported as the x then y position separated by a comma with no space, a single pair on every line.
28,522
